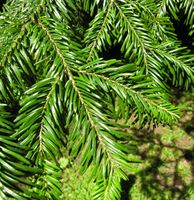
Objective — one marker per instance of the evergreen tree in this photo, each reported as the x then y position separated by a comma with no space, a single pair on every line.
74,75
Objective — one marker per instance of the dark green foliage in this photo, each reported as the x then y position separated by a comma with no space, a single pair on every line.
58,89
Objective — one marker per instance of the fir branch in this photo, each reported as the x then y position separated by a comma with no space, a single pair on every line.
154,104
55,87
102,28
133,27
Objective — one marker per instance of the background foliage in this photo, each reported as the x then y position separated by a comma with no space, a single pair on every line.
82,80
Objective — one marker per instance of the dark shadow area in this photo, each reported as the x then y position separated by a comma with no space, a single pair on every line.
86,19
112,52
126,186
189,155
1,4
188,126
182,31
